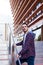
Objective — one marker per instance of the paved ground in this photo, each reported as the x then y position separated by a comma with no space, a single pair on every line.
38,64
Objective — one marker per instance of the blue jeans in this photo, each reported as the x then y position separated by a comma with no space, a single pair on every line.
29,60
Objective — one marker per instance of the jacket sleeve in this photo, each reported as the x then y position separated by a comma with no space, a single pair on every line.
20,43
27,45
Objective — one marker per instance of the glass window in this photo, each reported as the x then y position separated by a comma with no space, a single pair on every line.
38,34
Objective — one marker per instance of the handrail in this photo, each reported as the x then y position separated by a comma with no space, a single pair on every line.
15,44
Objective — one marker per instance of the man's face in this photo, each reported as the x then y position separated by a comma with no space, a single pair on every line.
24,28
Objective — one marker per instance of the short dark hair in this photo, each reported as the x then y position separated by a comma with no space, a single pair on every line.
25,24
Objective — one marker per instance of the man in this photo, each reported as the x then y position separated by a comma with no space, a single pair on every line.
27,54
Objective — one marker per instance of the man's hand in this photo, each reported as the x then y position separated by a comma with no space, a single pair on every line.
18,56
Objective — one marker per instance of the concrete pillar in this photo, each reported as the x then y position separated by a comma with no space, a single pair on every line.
42,33
6,32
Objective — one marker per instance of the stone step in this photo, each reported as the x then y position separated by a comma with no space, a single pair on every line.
3,47
3,52
2,44
3,56
4,62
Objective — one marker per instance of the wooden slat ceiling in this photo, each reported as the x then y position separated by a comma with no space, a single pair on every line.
22,9
34,14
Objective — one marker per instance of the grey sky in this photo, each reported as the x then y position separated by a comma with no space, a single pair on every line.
5,12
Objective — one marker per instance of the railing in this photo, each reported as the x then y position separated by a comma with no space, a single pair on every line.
11,56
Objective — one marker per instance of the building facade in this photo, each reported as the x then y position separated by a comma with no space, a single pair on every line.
30,11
